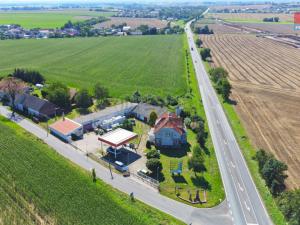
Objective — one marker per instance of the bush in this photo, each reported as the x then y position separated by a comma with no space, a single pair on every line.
148,144
205,53
153,154
154,165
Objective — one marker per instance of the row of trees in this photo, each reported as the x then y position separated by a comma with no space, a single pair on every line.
152,99
59,94
220,77
273,172
202,30
86,27
271,19
29,76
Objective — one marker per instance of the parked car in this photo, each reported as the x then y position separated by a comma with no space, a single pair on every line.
121,166
143,172
35,119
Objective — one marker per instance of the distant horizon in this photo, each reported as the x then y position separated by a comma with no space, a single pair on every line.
82,2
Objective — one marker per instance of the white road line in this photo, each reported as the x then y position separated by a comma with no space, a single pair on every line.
247,207
232,164
240,187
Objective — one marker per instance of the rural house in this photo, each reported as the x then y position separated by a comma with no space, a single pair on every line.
168,131
66,129
143,110
35,106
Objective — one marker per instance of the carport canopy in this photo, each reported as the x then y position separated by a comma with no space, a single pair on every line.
118,137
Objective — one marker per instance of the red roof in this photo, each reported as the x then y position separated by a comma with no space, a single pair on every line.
65,126
169,120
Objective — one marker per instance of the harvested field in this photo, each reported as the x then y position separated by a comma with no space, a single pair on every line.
133,22
220,28
266,79
258,6
272,27
251,17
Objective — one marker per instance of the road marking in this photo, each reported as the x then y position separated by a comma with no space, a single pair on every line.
240,187
247,207
232,164
225,142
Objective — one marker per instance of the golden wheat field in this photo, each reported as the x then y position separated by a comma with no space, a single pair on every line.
265,76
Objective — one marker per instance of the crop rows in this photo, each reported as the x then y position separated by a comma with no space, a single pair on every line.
60,192
266,86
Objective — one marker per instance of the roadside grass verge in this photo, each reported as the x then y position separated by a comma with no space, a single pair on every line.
38,182
209,180
249,151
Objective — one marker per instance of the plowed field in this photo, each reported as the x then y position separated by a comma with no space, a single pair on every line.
266,79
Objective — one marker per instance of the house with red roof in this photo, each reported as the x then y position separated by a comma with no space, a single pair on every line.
168,131
66,129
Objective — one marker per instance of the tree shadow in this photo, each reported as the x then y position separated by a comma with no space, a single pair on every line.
231,101
179,179
176,152
201,182
84,111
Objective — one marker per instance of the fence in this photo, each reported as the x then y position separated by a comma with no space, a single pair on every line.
146,179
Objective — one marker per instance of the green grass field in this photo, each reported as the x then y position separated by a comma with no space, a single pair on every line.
47,19
37,185
150,64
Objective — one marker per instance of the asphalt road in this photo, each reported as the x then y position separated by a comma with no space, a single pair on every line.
244,201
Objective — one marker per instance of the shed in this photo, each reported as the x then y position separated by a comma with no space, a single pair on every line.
65,129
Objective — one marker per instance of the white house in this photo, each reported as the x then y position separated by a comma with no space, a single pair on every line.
168,131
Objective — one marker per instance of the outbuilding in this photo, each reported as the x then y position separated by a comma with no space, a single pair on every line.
66,129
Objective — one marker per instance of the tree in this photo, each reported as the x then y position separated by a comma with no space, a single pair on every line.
12,86
273,173
289,204
205,53
154,165
100,92
276,19
83,99
58,94
199,42
225,88
136,97
196,162
152,118
153,154
218,74
127,125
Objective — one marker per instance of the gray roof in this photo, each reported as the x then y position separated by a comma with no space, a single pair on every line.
105,113
40,105
145,110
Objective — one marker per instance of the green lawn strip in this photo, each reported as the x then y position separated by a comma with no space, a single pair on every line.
47,19
60,191
249,151
150,64
188,181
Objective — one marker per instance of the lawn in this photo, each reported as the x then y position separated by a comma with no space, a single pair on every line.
47,18
37,185
210,180
249,151
150,64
